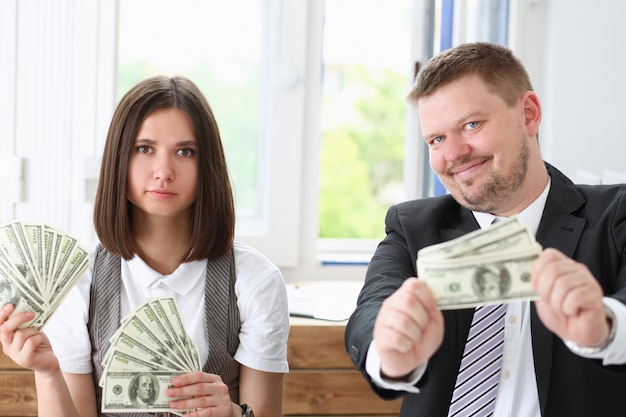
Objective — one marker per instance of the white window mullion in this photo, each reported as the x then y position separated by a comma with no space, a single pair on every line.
95,68
9,175
279,238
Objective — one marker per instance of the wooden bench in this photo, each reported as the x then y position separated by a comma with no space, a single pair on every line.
321,382
17,390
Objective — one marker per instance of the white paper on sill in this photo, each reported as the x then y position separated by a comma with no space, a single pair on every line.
324,300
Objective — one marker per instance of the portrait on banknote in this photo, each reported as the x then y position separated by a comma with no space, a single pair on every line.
143,391
491,282
8,293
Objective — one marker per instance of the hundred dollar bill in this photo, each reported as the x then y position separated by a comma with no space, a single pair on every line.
467,283
65,250
137,391
34,235
39,265
135,348
21,296
135,328
13,241
13,274
166,325
146,314
506,234
118,361
63,280
167,311
51,241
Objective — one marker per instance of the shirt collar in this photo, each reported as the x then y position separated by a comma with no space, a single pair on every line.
530,216
181,281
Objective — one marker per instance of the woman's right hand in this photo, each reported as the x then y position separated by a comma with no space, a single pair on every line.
27,347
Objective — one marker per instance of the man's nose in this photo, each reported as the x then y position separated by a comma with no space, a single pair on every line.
456,147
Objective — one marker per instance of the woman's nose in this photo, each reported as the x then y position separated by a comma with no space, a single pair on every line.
163,169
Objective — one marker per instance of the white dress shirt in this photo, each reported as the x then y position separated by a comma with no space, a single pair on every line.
517,394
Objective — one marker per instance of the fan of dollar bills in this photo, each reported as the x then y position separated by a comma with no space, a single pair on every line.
38,266
487,266
150,348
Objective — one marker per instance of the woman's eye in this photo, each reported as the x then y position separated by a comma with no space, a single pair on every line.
186,152
144,149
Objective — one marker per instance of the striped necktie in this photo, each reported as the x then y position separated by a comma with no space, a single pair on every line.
477,380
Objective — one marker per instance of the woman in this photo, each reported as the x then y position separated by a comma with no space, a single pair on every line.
164,216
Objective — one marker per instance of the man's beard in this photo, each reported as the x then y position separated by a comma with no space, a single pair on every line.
497,189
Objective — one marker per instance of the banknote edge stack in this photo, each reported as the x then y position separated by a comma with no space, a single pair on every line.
152,343
39,265
457,271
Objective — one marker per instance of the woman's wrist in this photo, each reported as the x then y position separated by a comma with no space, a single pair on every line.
48,376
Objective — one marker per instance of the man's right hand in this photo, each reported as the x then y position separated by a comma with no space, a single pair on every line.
408,329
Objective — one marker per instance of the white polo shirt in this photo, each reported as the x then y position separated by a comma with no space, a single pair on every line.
261,298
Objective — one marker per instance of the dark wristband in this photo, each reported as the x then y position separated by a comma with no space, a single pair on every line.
246,410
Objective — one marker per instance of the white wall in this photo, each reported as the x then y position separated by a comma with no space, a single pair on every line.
55,106
574,51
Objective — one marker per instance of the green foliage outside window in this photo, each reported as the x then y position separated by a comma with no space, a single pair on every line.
361,164
361,168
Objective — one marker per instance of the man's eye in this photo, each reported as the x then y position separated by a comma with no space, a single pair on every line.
437,139
471,125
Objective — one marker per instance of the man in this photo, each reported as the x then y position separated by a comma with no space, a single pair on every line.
563,354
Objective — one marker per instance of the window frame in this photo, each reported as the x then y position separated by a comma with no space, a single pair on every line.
278,232
84,58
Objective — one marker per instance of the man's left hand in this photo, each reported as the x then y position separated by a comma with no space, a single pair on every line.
570,299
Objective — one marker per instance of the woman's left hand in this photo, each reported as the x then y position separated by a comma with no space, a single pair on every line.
208,394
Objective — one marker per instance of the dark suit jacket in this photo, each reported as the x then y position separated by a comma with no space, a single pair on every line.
587,223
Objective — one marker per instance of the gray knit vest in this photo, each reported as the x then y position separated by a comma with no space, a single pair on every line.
222,318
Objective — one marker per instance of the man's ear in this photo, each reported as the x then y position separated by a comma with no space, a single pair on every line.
532,112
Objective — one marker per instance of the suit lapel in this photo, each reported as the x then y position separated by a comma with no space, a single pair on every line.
461,222
562,230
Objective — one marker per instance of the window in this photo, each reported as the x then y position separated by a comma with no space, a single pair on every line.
367,72
223,47
283,77
248,58
254,60
371,154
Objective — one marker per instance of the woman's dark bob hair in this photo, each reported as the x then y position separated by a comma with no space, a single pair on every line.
212,225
